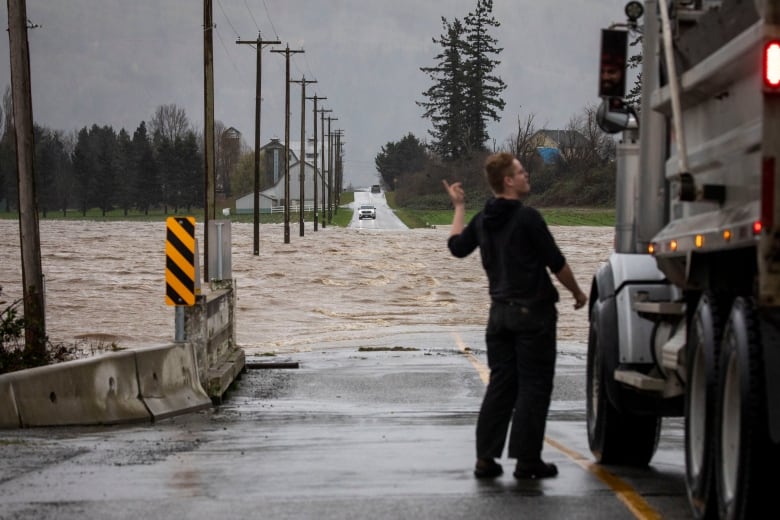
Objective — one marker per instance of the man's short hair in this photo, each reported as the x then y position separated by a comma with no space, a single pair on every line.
498,166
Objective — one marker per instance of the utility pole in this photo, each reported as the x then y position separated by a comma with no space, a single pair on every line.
330,169
29,233
337,171
303,81
315,98
258,89
208,130
287,53
322,126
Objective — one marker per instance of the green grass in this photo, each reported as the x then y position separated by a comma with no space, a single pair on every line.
553,217
416,218
413,218
579,216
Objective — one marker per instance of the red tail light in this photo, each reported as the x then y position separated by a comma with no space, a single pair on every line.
772,65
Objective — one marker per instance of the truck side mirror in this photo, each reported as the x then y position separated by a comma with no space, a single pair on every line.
612,67
614,116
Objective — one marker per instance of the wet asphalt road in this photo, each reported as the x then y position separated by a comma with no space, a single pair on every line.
374,434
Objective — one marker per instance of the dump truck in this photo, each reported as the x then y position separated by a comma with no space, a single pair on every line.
685,313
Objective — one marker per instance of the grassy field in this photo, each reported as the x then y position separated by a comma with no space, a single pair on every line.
553,216
411,217
341,218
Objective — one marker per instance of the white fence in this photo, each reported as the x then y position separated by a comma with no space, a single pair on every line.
293,208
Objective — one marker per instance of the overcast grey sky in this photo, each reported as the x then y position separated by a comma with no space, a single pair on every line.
112,62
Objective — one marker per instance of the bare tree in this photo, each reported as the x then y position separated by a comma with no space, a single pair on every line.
520,144
170,121
586,145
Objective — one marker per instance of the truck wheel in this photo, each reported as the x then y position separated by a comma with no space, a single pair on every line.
700,410
744,454
614,436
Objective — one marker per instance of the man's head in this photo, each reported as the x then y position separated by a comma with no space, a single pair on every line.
612,83
506,176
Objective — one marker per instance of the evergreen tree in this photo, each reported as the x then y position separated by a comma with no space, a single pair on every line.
8,182
105,144
51,164
483,88
191,174
398,160
125,172
466,93
63,178
83,170
446,105
166,163
146,185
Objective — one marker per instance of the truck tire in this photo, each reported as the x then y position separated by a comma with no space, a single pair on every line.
744,454
614,436
700,410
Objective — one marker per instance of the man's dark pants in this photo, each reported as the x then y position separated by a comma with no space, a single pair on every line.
521,355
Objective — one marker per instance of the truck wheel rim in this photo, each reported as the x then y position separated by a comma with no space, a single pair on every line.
730,428
698,411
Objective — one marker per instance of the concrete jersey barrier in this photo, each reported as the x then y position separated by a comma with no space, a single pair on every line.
102,390
168,380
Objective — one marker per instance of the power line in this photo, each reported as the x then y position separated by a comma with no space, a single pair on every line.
219,2
268,15
252,15
222,42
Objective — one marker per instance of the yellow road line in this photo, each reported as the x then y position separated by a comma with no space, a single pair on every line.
625,493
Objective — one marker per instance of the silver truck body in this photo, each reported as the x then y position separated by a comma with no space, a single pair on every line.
685,315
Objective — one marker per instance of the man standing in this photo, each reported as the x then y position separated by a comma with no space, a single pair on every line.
516,248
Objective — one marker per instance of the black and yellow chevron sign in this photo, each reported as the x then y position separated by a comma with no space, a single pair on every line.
180,261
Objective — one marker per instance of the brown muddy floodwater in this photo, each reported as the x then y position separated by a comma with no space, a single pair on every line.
105,283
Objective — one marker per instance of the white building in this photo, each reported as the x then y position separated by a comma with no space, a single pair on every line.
272,198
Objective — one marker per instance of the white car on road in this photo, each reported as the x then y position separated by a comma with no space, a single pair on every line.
366,211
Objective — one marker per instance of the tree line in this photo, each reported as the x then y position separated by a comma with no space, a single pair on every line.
581,174
464,97
159,166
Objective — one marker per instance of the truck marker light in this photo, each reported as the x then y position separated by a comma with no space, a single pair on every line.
726,235
651,248
767,193
673,245
772,64
699,240
757,227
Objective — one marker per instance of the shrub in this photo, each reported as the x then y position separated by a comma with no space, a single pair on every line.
14,354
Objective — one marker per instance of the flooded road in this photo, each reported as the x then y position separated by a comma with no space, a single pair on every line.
378,433
105,283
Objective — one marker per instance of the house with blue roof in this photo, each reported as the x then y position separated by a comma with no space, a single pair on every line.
555,145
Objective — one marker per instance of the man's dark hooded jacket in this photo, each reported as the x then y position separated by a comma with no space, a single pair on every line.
516,248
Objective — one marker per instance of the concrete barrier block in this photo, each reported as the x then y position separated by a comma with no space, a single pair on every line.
9,414
222,376
168,380
100,390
